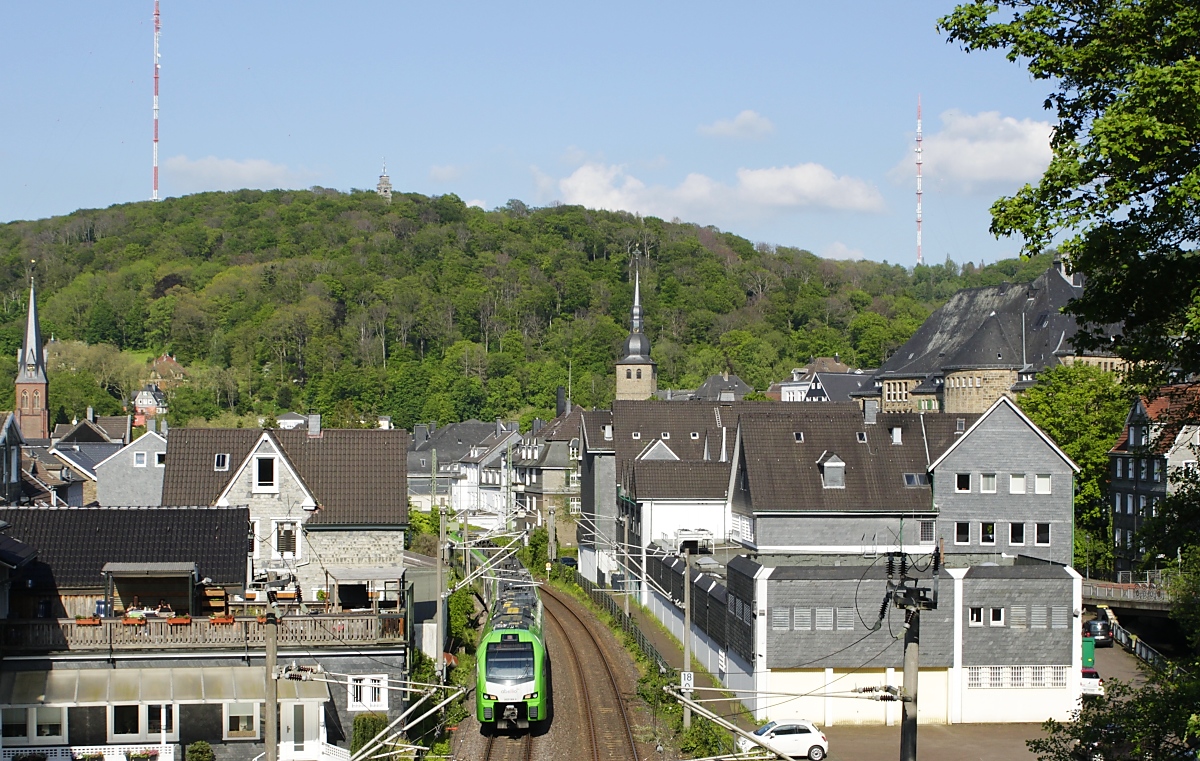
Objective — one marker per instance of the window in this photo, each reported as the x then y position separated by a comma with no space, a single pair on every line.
916,479
40,725
1117,502
1129,504
798,436
987,532
987,483
974,676
824,619
962,482
126,720
639,373
139,459
1016,534
1042,534
1120,467
961,425
368,693
160,459
845,619
1142,505
665,435
927,532
1058,676
802,619
637,435
264,475
628,373
1037,617
241,721
997,617
897,435
1154,470
1016,483
695,436
862,437
1142,469
1041,484
975,616
576,506
286,540
962,533
781,619
141,722
221,462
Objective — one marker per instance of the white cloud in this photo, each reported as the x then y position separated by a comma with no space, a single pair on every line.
445,173
975,153
756,193
477,202
746,124
839,250
211,173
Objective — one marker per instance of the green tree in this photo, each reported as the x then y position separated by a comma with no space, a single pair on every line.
1123,184
1082,408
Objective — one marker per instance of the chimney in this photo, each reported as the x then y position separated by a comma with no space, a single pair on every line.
870,410
725,374
163,429
420,433
150,424
538,423
499,427
314,425
385,422
91,415
837,357
561,405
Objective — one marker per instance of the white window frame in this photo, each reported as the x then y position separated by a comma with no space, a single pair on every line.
983,483
221,461
256,530
31,737
1017,483
927,529
962,523
260,488
275,553
975,615
958,489
139,459
160,459
1043,483
145,735
1049,532
575,506
225,714
993,620
1011,526
982,534
372,690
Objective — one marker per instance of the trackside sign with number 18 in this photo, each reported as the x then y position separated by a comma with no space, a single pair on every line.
687,680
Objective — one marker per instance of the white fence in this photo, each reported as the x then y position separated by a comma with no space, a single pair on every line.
71,752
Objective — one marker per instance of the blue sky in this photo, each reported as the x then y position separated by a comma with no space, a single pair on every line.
789,123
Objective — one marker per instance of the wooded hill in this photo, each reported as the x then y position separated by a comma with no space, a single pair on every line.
427,309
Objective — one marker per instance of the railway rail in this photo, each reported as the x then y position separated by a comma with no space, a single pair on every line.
509,747
608,729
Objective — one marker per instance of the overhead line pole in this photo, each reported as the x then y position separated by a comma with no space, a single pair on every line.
157,31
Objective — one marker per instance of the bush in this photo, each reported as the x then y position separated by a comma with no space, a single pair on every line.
366,726
200,751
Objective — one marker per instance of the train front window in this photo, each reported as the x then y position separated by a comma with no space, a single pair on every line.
509,662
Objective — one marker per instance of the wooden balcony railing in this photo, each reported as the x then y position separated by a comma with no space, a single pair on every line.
47,635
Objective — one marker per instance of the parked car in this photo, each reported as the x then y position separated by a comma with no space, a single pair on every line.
1100,631
797,738
1091,683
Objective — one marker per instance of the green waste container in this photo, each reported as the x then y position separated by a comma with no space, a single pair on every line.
1089,652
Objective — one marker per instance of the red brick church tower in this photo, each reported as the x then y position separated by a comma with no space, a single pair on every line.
30,403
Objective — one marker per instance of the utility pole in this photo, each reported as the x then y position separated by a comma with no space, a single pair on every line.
272,717
625,549
441,586
907,595
687,629
908,723
508,489
552,547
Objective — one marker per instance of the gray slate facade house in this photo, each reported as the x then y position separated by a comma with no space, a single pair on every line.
483,477
1157,451
982,344
836,387
318,498
1004,488
134,474
451,442
11,442
1000,647
548,470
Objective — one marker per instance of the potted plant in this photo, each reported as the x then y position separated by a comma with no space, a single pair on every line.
148,754
87,621
131,621
180,620
91,755
31,756
220,619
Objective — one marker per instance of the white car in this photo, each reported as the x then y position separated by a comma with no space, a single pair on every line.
796,738
1091,683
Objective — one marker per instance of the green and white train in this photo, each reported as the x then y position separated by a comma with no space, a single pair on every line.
512,675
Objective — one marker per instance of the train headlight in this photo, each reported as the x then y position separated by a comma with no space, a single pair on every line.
530,696
489,697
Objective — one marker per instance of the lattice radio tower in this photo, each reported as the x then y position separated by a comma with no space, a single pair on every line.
157,30
919,161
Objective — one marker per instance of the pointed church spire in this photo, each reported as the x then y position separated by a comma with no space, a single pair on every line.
636,321
31,364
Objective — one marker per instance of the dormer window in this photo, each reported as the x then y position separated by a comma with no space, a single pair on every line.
221,461
897,435
862,437
637,435
666,435
695,436
913,480
799,436
961,425
833,473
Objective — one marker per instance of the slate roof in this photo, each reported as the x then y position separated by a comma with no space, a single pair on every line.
85,457
452,442
982,327
837,387
783,474
15,553
711,389
592,427
73,544
356,476
564,427
658,479
84,431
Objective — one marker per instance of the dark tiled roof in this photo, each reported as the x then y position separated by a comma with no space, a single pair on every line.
564,427
784,474
592,426
116,426
15,553
711,389
1034,571
357,476
837,387
658,479
1173,408
73,544
85,431
651,419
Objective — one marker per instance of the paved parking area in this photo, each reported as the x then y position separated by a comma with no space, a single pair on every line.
959,742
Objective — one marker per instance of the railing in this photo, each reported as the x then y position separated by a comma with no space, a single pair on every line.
1135,645
110,752
114,634
1127,593
626,623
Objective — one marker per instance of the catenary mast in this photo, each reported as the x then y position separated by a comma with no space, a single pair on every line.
919,162
157,29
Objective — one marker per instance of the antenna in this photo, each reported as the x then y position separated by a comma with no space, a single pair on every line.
157,29
919,192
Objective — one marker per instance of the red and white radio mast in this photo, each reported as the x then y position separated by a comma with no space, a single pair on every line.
157,29
918,180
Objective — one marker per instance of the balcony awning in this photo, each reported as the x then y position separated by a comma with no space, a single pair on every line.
149,569
91,687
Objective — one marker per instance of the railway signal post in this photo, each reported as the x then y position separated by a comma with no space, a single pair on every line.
440,638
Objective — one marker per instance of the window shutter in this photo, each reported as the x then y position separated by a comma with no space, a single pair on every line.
845,619
824,619
802,619
1037,617
780,618
1059,617
1017,617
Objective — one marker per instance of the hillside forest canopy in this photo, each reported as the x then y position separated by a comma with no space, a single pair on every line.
428,309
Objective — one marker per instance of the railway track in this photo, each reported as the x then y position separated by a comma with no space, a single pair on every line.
603,708
509,747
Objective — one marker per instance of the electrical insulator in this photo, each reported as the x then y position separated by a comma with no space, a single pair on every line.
883,608
908,617
887,698
903,565
891,565
937,561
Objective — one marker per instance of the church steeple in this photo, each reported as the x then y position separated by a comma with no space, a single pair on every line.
384,187
30,401
637,373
